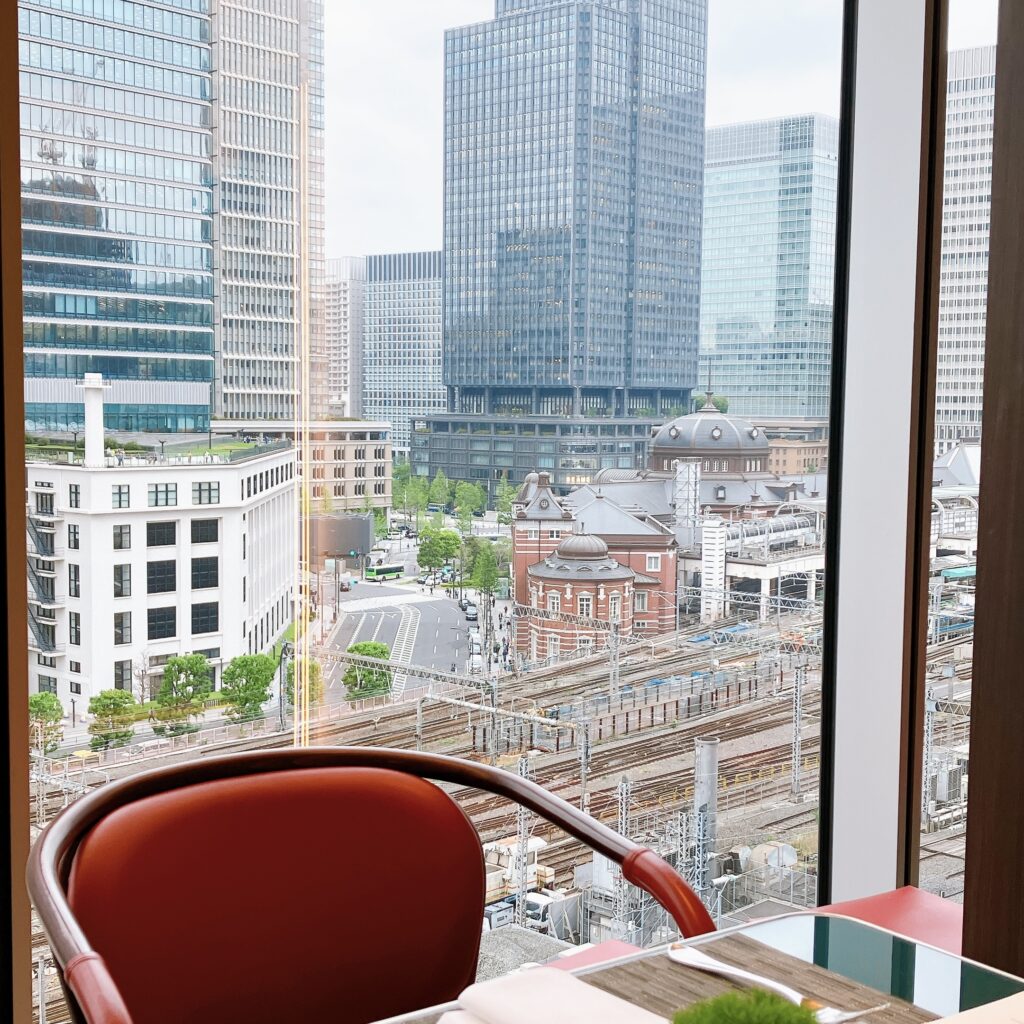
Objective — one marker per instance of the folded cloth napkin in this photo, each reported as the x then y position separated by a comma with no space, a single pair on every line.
544,996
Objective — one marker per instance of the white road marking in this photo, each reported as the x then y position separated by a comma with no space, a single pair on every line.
405,643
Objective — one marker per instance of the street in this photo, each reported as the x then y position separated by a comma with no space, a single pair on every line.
420,628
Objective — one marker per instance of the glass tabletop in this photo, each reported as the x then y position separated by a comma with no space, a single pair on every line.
932,979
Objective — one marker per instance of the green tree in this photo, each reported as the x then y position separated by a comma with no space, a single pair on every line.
485,570
113,723
326,501
180,697
363,680
504,494
502,548
436,547
720,402
246,686
440,489
45,720
418,497
316,683
469,498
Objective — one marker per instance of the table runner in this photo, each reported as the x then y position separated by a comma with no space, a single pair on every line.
663,987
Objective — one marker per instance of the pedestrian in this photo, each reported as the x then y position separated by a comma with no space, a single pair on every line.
120,456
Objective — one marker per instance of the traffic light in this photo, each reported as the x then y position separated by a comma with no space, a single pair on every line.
353,554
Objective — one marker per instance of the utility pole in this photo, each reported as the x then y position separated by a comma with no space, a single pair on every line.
613,667
619,910
583,742
522,845
799,678
929,743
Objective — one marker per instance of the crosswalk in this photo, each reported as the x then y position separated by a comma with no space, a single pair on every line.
366,604
405,642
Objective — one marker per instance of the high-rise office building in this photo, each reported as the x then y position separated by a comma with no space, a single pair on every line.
268,162
344,297
574,152
117,205
402,340
963,287
768,264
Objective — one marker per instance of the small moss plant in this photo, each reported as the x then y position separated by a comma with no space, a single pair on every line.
748,1007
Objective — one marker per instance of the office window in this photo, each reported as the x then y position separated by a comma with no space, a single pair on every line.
122,627
47,684
74,628
554,602
74,687
120,496
585,605
74,580
122,538
74,536
206,494
162,495
162,623
654,563
74,496
159,535
205,617
205,573
615,607
204,531
122,581
640,601
161,577
74,666
122,675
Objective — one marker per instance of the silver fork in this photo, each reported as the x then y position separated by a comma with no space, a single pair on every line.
691,956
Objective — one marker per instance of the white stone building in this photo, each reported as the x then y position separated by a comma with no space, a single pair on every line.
350,460
135,559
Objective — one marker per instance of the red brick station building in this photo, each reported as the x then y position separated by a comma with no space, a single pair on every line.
620,548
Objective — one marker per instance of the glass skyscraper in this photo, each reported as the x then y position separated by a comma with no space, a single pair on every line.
574,152
117,207
768,265
402,340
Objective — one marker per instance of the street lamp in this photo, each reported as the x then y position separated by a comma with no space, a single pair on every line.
162,443
74,721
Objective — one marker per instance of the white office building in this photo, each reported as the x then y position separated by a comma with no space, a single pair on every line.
963,288
402,341
268,163
135,559
344,298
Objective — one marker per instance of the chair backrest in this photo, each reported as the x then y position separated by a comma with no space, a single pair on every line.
320,894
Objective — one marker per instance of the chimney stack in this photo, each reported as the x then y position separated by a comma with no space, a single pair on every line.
93,387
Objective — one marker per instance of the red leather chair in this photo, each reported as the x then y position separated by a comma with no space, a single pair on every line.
307,885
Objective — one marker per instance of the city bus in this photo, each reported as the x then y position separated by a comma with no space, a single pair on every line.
385,572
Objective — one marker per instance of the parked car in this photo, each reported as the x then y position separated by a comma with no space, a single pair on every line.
463,603
345,585
471,613
478,512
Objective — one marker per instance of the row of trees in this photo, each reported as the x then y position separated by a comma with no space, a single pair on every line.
181,699
482,561
413,494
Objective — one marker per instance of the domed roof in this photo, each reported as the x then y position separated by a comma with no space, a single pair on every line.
582,557
709,431
582,545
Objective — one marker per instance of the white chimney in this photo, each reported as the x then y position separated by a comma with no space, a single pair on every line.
93,387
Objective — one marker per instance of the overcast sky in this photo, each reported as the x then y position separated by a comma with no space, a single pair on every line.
766,58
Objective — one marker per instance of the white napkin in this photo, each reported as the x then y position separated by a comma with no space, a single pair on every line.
544,996
1004,1011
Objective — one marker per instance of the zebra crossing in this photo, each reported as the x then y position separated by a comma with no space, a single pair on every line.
403,647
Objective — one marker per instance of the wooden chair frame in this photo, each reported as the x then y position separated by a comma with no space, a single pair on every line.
92,992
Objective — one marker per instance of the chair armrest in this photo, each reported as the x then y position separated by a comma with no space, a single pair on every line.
95,990
646,870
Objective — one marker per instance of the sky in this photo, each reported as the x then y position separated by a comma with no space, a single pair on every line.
383,84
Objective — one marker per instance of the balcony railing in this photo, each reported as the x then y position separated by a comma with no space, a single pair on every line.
42,590
43,541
